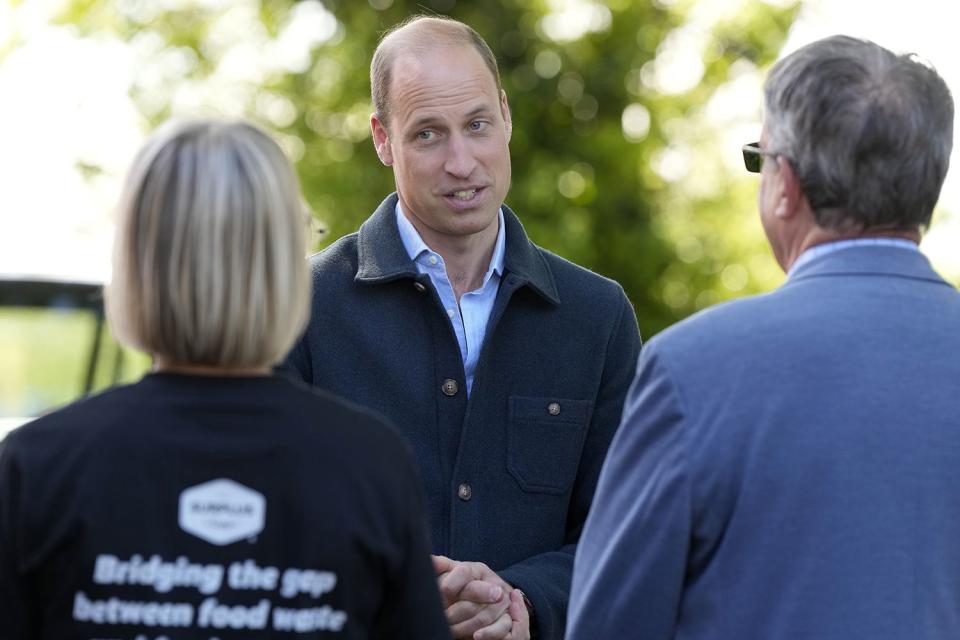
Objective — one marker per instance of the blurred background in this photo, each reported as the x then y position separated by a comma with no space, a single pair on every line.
628,117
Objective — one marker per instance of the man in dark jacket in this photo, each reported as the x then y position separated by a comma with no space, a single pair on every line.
504,365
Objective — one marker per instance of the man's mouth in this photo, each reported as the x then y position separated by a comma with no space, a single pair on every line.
465,194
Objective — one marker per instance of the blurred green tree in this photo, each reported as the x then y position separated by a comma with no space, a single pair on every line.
616,154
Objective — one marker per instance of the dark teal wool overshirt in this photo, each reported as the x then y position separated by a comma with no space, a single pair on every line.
510,473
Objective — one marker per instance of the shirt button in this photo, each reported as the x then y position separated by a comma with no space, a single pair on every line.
450,387
419,287
553,408
432,259
464,492
450,313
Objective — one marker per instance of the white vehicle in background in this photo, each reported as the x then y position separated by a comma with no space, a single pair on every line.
55,347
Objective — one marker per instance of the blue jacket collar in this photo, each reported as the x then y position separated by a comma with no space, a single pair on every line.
870,260
383,258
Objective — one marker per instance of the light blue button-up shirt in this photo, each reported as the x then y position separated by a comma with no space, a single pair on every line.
838,245
469,318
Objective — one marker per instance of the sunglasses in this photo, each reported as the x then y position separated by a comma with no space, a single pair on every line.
753,156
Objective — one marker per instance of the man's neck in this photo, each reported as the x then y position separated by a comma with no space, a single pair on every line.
817,236
467,258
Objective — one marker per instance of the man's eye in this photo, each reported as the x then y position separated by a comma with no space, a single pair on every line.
425,135
478,125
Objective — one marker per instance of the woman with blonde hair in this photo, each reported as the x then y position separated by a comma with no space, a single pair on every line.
212,499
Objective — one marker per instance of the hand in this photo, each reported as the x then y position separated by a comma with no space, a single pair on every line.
477,599
515,623
519,617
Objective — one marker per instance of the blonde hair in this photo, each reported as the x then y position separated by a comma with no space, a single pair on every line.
209,260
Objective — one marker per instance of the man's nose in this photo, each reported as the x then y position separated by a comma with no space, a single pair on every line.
460,161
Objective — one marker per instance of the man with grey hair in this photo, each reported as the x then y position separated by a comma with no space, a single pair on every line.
788,465
504,365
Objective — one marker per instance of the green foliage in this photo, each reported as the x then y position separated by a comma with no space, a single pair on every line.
46,358
582,187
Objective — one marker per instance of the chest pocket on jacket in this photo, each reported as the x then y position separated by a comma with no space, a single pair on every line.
544,440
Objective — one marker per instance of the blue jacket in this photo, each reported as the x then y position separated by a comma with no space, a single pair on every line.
510,474
788,467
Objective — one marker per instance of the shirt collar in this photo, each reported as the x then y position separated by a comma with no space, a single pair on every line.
409,236
416,247
381,256
839,245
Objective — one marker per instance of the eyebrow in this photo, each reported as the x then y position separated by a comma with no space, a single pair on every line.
479,111
426,121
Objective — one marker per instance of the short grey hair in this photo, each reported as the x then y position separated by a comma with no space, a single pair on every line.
416,35
868,132
209,262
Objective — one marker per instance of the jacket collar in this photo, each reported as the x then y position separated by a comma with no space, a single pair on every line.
869,260
382,257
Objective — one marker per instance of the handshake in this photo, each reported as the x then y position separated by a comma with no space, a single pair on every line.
479,604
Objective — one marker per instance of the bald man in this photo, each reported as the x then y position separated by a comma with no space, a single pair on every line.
504,365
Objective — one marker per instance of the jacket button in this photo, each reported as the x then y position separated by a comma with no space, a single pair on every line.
553,408
450,387
419,286
464,492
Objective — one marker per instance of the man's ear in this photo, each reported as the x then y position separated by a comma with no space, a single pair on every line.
381,140
790,196
505,111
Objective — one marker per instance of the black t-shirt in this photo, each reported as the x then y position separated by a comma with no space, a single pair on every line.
194,507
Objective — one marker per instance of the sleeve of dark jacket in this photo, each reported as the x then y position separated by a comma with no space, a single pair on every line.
545,578
14,606
412,608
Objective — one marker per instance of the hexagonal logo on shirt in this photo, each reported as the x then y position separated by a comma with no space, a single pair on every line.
222,511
